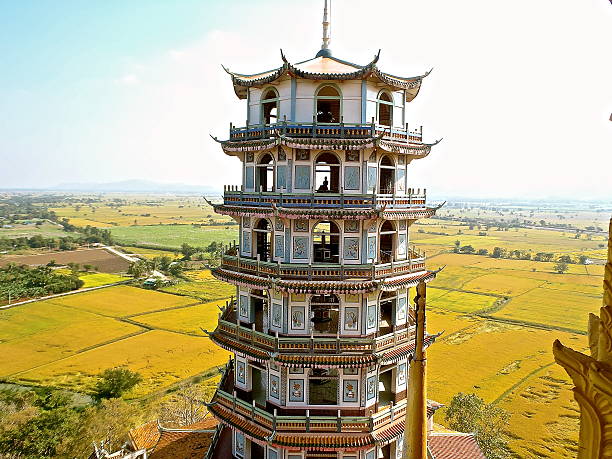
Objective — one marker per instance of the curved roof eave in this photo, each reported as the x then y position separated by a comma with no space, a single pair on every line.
242,82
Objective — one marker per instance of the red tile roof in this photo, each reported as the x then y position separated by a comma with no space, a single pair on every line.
454,445
188,442
144,436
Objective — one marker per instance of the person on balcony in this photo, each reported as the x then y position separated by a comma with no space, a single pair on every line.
324,186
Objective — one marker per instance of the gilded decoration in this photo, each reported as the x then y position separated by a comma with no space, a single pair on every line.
592,376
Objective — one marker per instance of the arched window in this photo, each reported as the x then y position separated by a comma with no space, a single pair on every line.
385,109
326,242
323,386
328,105
387,239
387,175
325,313
269,106
327,173
263,239
265,173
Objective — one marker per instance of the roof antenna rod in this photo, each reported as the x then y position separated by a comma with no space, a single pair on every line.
325,51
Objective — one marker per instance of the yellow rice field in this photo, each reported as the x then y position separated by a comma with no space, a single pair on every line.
122,301
162,358
38,333
546,306
185,320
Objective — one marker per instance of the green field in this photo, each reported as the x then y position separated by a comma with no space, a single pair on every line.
46,230
173,236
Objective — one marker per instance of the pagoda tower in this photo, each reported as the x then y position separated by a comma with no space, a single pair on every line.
323,328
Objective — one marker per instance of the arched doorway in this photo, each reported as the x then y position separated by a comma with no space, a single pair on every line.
265,173
327,173
387,240
387,175
328,105
325,314
259,302
263,239
269,107
326,243
385,109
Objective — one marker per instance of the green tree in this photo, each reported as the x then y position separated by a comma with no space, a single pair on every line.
470,413
457,245
467,249
139,269
114,382
107,423
582,259
560,267
187,251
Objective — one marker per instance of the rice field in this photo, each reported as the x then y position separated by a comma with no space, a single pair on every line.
139,210
99,279
162,358
122,301
67,341
510,365
201,285
39,333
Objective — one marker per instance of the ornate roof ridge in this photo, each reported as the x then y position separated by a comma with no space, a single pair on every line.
242,81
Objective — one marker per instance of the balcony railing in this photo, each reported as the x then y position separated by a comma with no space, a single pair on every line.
335,130
311,344
277,423
231,260
234,196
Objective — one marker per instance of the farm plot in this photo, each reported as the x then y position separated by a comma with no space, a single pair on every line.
203,286
548,307
42,332
173,236
498,362
122,301
162,358
501,284
544,415
99,279
139,210
101,259
460,301
185,320
46,230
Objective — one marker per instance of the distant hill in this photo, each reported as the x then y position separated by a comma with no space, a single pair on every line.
137,186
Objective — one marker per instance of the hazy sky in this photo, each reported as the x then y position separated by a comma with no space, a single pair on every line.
108,90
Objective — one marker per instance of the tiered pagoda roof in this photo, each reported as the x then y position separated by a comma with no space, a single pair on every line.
326,68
